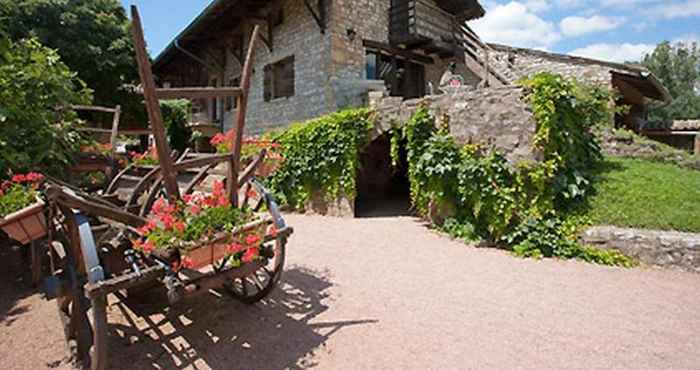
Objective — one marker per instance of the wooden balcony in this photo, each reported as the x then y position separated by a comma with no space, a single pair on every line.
421,24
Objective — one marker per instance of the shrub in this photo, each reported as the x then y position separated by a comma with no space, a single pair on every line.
37,130
321,155
176,115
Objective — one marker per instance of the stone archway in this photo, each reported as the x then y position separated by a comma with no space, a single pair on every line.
382,189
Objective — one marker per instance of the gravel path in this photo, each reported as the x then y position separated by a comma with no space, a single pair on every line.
384,293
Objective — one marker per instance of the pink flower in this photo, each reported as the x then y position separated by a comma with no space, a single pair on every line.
34,177
234,248
250,255
223,202
252,240
187,198
19,178
218,189
195,209
217,139
159,206
186,263
168,220
180,226
252,193
148,247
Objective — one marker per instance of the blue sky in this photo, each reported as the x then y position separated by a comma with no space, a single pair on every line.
617,30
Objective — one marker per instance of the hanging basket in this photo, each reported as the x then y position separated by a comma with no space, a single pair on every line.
27,224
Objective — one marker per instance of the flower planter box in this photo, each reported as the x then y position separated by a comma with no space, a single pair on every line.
205,256
27,224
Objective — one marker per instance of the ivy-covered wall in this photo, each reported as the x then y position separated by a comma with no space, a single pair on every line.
510,180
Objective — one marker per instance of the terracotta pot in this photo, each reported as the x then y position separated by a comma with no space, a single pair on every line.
27,224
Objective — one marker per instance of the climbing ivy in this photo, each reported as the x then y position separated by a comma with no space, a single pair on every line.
321,155
519,206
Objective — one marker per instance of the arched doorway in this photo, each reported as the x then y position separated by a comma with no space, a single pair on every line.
382,188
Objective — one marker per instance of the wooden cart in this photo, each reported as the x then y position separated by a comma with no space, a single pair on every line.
91,236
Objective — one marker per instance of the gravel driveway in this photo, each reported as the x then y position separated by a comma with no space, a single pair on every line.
385,293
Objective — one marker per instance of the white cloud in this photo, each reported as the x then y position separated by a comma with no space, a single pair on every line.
537,5
615,52
670,10
577,26
687,39
515,24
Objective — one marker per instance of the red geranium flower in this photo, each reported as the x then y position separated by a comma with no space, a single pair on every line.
180,226
272,231
19,178
252,239
234,248
250,255
34,177
186,263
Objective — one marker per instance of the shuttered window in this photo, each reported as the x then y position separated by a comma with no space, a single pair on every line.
279,79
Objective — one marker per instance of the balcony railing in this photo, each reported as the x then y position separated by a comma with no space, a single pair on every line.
417,22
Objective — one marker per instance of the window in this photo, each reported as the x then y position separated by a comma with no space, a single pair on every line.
279,79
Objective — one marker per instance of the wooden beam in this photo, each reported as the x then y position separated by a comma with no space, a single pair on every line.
240,118
396,51
697,144
198,92
320,16
153,106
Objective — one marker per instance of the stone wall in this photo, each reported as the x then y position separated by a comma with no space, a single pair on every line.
300,36
496,117
667,249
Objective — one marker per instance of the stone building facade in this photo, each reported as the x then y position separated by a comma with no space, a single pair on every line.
330,62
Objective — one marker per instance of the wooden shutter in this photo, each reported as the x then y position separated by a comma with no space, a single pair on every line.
284,78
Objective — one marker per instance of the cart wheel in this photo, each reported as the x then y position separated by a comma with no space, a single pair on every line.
254,288
84,324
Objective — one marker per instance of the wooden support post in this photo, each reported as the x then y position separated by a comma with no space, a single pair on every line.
153,107
697,144
115,129
240,119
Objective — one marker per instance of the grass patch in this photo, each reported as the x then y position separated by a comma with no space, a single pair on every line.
645,194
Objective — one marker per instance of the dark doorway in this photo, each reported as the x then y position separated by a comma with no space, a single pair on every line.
382,188
402,77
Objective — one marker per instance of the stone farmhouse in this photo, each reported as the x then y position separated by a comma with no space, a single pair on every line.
320,56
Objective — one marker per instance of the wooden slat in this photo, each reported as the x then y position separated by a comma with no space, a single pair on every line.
199,92
153,106
240,118
94,108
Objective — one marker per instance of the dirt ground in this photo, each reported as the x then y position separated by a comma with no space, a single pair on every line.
385,293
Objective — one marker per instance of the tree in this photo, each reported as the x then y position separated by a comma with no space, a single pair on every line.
37,130
678,68
91,36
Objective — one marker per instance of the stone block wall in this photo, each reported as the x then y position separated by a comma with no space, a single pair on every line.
499,118
298,35
666,249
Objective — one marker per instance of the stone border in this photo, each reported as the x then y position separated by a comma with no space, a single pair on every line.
666,249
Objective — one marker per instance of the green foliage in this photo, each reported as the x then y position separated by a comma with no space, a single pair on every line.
644,194
37,132
549,237
91,36
566,112
321,155
678,69
16,197
176,117
516,205
460,230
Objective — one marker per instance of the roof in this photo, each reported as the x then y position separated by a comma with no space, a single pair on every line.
635,74
686,125
216,16
221,13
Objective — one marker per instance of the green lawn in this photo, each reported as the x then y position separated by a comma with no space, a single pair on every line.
643,194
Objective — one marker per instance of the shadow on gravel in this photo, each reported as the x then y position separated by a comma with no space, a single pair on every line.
220,333
13,282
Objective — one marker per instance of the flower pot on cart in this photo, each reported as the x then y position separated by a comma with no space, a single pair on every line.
27,224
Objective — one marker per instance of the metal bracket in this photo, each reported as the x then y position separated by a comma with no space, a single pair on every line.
87,245
271,204
319,17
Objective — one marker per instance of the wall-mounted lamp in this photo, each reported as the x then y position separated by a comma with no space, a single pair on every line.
351,33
